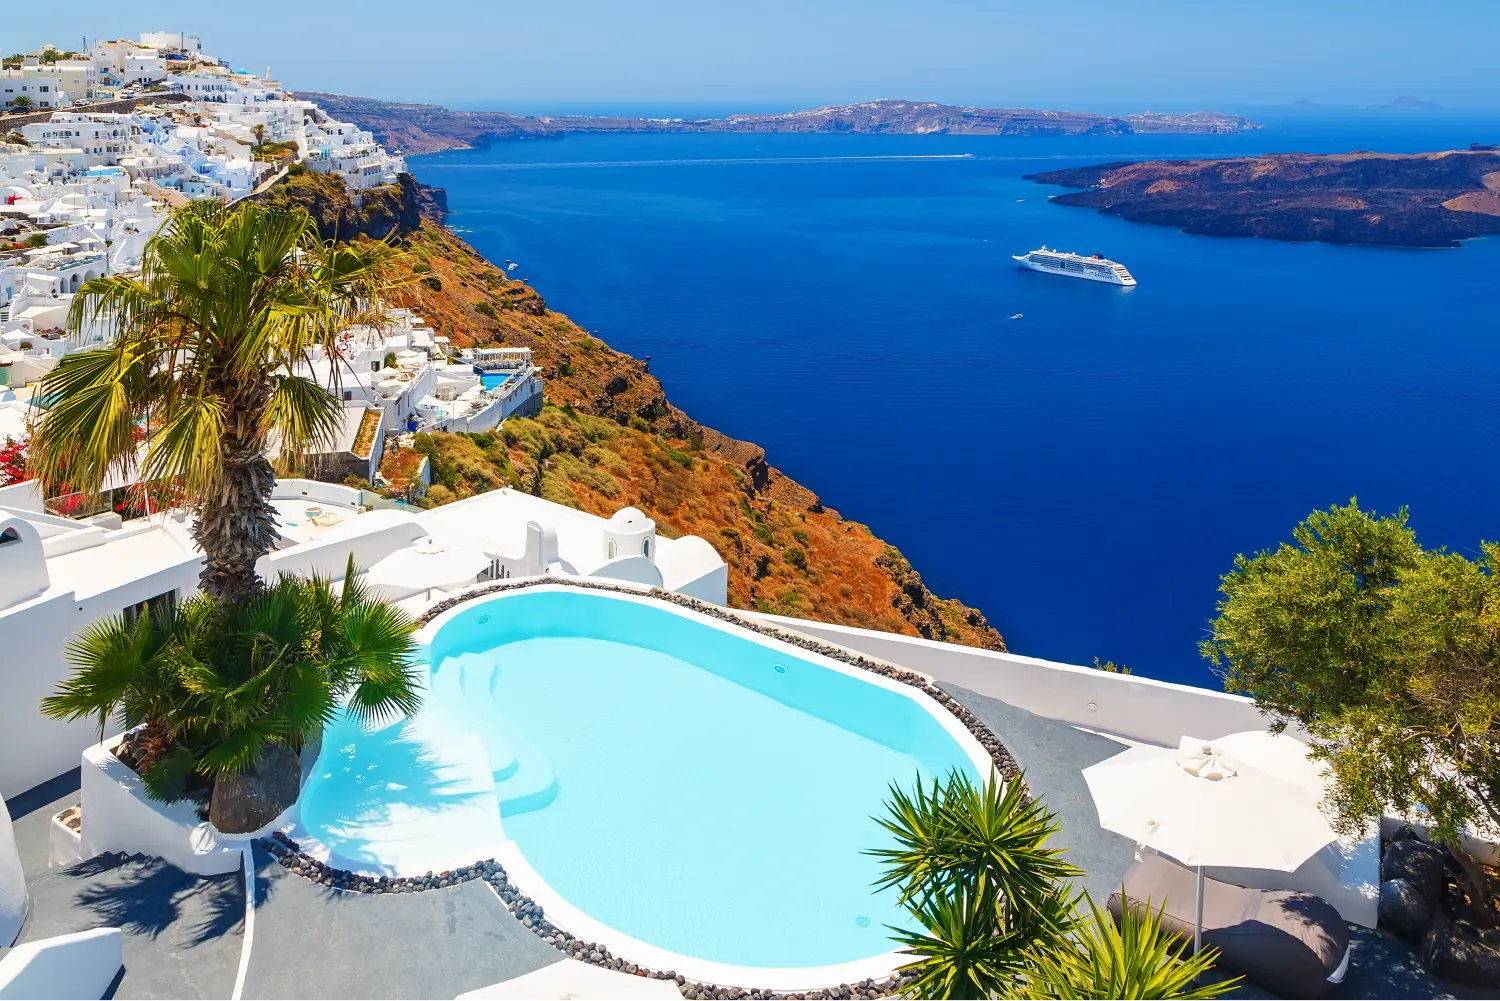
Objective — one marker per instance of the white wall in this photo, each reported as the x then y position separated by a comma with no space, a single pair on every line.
34,748
81,965
12,882
1139,708
330,557
119,817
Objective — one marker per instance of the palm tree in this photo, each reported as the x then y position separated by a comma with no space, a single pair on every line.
1139,958
228,302
230,691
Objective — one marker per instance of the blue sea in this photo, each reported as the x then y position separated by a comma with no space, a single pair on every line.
1084,473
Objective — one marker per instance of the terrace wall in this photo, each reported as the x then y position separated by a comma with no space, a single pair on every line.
1142,709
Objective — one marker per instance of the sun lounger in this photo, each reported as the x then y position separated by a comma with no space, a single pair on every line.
1288,941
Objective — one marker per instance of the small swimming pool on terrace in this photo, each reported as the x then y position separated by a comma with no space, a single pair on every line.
491,379
676,787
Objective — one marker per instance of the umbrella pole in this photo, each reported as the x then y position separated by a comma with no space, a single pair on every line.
1198,916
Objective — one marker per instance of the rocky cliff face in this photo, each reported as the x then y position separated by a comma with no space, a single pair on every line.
610,437
392,209
1423,200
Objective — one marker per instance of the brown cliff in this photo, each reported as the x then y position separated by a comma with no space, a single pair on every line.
1418,200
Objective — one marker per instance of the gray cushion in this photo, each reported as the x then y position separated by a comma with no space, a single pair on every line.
1287,941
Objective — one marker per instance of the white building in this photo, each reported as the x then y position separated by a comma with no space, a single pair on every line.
57,575
172,41
103,138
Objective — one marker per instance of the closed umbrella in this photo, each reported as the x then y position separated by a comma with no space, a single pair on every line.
428,564
1203,807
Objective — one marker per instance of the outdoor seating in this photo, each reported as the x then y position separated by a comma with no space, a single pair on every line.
1287,941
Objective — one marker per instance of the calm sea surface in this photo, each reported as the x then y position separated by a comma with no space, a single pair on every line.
1083,473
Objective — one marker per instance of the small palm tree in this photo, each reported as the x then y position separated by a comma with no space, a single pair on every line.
123,673
232,691
209,338
1136,959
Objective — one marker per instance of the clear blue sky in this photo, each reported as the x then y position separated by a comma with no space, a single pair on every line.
578,54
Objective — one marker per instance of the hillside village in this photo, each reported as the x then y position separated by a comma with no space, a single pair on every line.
258,740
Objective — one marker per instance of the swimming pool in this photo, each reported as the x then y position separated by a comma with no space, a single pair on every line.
676,787
489,380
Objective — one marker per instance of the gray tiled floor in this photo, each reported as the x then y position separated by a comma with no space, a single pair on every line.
182,932
1053,754
311,941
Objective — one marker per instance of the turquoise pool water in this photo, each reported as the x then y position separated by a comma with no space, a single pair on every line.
694,789
489,380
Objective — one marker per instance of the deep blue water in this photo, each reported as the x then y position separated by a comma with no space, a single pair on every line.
1083,474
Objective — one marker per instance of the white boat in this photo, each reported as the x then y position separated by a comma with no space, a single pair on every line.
1056,262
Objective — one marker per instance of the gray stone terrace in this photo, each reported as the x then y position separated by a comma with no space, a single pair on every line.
184,935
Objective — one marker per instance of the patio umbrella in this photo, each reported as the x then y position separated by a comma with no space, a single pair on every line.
428,564
1202,806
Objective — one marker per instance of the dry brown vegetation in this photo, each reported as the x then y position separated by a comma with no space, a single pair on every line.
610,438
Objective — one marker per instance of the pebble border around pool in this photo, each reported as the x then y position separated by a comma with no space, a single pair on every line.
289,854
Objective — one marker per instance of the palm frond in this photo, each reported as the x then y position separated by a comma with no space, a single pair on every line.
302,415
186,446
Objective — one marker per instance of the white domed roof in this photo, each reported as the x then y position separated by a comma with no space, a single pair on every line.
629,517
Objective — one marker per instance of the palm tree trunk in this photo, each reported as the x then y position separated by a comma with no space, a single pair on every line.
237,526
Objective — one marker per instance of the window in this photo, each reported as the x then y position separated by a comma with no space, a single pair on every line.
8,536
155,607
348,395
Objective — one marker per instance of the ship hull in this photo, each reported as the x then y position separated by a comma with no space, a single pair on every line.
1109,278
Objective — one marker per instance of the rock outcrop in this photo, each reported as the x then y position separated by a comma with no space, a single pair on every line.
1418,200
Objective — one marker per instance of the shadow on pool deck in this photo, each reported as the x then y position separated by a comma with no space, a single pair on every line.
182,933
1053,755
312,941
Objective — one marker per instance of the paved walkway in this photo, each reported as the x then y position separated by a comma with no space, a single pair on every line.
1053,754
182,932
315,942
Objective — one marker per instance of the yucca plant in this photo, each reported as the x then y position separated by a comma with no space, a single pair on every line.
967,948
988,839
204,361
1138,958
972,865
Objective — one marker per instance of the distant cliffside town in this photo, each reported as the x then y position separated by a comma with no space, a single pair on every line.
430,128
100,147
1416,200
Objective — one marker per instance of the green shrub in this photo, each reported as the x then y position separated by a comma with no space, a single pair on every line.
433,282
797,558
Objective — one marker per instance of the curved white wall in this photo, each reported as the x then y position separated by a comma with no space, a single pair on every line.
23,562
81,965
12,882
1155,712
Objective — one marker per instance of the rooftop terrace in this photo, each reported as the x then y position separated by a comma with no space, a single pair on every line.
199,936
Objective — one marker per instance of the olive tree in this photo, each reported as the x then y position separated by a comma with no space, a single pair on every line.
1386,653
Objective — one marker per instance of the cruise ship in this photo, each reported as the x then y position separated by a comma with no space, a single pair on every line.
1095,268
